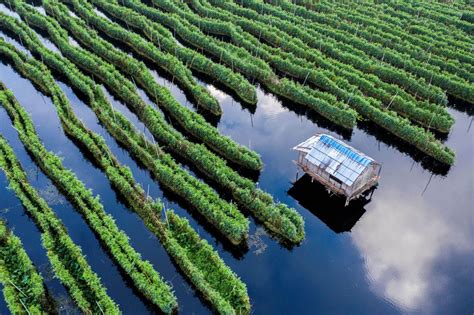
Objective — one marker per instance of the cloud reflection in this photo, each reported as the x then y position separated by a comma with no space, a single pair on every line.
218,94
402,240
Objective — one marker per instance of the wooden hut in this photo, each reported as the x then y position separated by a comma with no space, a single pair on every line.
338,166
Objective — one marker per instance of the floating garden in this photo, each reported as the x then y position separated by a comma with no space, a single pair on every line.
392,66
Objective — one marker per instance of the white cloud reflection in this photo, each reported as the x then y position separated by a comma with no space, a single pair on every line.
218,94
401,242
269,104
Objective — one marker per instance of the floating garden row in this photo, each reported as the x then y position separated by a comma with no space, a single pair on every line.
67,260
167,43
190,121
436,54
428,115
427,41
223,215
141,272
434,16
456,76
229,12
284,221
23,287
387,119
422,28
204,267
239,60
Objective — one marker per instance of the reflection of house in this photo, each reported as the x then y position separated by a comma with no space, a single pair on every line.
338,166
330,209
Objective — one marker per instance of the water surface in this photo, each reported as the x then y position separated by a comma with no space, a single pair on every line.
410,249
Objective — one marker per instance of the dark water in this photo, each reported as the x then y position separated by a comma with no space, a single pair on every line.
410,249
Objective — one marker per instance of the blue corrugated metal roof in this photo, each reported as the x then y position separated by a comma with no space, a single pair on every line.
345,150
337,159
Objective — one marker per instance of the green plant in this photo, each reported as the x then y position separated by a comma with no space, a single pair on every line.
23,287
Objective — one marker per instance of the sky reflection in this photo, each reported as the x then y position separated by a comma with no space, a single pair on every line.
414,227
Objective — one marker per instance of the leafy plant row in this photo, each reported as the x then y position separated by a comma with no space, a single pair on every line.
404,19
418,27
239,60
190,121
385,118
166,43
223,215
205,269
429,115
416,86
436,54
171,65
146,279
66,258
432,15
23,286
427,40
285,222
208,272
455,77
282,220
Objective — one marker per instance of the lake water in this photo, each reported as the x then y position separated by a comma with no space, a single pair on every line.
410,249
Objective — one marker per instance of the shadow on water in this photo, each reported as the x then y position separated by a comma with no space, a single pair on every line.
460,105
313,116
329,208
426,161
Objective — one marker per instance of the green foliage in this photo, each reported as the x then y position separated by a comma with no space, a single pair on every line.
165,41
205,268
223,215
377,38
421,33
366,107
314,35
284,221
23,287
203,274
189,120
224,11
67,260
238,59
141,272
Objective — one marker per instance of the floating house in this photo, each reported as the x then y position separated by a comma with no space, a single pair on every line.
338,166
